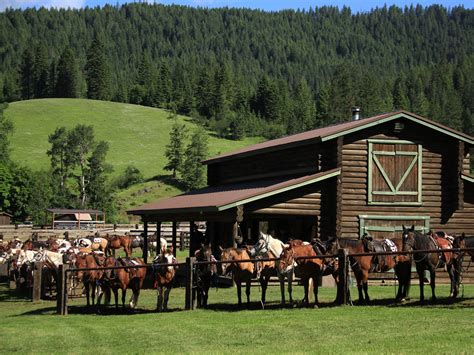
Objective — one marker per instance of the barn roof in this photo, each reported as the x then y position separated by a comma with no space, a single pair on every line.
2,213
72,211
223,197
334,131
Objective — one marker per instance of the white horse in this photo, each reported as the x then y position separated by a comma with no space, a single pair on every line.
152,246
272,247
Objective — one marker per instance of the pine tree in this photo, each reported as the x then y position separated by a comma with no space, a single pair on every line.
60,162
41,72
6,128
97,72
322,108
67,84
175,148
99,195
193,173
27,75
400,98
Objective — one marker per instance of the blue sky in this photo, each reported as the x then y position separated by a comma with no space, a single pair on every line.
269,5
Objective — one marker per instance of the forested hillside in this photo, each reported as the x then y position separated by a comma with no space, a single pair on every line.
247,72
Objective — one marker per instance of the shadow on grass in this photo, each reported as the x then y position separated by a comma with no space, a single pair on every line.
466,302
7,295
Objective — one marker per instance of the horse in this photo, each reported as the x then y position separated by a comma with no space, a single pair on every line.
204,273
123,278
95,243
401,264
241,272
306,269
90,278
164,277
152,244
117,242
413,241
360,264
268,246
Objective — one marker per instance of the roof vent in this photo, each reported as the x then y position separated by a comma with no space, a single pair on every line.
355,113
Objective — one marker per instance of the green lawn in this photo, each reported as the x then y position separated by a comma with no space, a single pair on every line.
136,134
383,327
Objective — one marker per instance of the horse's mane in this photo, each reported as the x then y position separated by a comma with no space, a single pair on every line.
349,242
469,242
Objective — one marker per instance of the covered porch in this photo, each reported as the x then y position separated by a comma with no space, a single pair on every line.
289,207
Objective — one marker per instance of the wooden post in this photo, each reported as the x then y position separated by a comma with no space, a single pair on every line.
174,238
61,290
189,302
145,241
343,289
37,282
158,237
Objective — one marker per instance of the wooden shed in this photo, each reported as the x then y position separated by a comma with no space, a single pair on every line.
5,218
369,175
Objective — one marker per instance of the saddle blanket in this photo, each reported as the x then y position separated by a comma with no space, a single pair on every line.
391,245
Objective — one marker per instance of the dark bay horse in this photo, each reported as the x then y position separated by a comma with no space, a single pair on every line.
204,274
241,272
89,278
401,264
413,241
360,264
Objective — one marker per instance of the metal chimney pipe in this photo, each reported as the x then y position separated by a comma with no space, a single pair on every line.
355,113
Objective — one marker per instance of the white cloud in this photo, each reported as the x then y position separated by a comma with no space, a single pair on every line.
16,4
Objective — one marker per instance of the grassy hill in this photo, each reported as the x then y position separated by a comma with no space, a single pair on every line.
137,135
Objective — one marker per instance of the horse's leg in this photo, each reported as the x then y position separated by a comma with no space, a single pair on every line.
86,286
358,277
239,293
306,290
263,283
247,291
94,285
452,277
281,278
290,286
315,291
124,295
365,284
421,278
160,299
115,291
167,296
433,283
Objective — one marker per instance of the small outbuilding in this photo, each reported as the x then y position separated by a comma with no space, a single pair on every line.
5,218
369,175
76,218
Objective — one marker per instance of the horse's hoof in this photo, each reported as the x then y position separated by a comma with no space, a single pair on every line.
315,306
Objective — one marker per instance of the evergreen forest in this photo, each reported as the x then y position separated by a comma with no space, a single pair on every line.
246,72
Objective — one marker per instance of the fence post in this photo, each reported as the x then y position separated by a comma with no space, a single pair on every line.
342,287
61,290
37,276
189,283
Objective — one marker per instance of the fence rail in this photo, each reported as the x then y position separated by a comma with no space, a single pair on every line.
342,255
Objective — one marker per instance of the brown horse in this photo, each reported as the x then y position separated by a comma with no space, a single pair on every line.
360,264
89,278
241,272
204,274
413,241
401,264
164,277
306,269
126,278
119,241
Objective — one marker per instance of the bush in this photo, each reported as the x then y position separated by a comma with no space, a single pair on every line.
132,175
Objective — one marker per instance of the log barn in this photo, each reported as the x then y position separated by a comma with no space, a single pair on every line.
369,175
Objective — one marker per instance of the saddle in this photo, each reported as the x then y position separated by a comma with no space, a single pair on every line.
129,262
443,241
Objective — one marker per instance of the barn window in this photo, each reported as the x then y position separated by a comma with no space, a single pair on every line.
394,170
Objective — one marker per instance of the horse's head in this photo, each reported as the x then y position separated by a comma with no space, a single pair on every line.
368,243
226,255
287,260
408,238
262,245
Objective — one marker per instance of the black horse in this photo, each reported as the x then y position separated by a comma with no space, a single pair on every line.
413,241
204,274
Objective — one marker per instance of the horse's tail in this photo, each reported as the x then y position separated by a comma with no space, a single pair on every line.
310,290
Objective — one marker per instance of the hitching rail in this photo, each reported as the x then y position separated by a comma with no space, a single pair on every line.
191,262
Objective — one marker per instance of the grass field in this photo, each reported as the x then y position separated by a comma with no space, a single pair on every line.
136,134
383,327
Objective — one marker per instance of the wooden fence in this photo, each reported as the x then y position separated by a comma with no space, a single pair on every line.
190,298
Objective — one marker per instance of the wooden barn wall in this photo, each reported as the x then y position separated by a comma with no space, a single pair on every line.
301,160
306,204
439,181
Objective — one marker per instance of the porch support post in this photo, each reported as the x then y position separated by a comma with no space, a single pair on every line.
174,237
158,237
145,240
